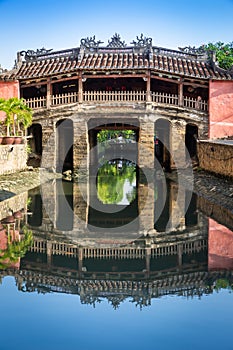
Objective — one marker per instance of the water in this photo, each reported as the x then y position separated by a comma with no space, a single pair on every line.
106,271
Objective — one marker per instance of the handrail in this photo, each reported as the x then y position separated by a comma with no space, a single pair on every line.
100,97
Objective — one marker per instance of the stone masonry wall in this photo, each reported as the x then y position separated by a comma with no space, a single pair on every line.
12,158
216,157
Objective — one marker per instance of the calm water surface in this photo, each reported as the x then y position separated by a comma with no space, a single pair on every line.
110,267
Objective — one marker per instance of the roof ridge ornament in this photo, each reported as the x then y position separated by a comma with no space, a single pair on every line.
193,50
90,43
142,42
30,55
116,42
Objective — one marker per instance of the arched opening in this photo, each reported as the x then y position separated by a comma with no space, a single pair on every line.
113,185
191,136
35,144
162,142
64,150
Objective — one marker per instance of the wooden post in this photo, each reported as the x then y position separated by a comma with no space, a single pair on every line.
180,93
49,93
148,87
80,90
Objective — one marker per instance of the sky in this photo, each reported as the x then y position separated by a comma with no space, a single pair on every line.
59,24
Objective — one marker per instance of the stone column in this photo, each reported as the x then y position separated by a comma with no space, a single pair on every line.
80,147
177,145
48,160
146,145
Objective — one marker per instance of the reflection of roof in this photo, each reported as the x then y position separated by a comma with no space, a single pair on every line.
116,55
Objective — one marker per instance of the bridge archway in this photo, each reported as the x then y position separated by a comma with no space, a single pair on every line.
64,149
162,132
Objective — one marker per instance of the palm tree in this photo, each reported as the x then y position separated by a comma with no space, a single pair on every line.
17,112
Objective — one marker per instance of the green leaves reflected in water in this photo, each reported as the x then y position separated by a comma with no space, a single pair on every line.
116,182
15,249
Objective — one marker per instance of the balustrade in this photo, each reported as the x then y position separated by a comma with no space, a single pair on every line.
100,97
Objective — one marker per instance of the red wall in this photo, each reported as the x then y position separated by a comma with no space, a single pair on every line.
220,254
220,109
8,89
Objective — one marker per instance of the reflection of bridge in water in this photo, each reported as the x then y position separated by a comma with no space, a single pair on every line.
143,264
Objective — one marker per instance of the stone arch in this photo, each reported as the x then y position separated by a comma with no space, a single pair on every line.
191,136
162,139
64,145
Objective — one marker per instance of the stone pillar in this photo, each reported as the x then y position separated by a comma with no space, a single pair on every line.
146,145
80,147
48,160
177,145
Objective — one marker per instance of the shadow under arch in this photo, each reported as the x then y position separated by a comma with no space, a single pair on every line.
191,136
162,132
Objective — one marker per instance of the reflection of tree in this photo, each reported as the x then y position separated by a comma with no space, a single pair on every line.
15,249
111,179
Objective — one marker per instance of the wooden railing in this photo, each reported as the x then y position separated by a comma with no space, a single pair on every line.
114,96
160,97
36,102
157,98
64,99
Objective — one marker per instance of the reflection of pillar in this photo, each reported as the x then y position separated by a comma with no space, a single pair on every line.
80,205
145,206
177,215
178,159
146,145
80,147
80,262
49,253
180,253
148,257
48,193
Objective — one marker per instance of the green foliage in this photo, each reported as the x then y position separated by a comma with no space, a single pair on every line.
17,113
224,53
111,180
223,283
105,135
15,249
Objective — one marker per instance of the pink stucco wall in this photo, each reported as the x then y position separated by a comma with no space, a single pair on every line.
8,89
220,109
220,244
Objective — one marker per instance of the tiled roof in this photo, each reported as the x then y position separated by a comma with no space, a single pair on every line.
157,60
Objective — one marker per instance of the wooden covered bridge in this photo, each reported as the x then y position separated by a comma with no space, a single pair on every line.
161,93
